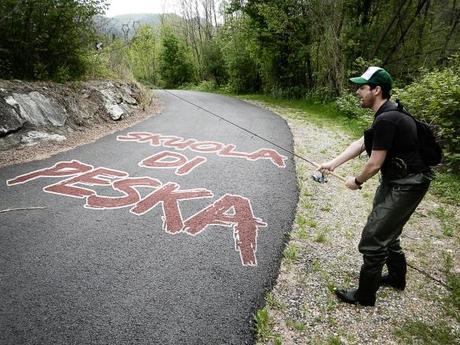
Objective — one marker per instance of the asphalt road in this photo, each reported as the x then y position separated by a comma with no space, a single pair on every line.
168,232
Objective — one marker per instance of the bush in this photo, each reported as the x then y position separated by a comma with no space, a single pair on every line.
176,67
435,98
44,39
348,105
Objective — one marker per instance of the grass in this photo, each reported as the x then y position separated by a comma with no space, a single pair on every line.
262,325
320,237
447,186
297,325
418,332
302,234
321,114
291,253
273,303
447,220
452,300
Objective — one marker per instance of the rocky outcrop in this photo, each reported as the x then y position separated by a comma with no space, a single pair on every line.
32,112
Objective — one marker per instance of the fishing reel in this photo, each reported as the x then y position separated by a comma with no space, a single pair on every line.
319,178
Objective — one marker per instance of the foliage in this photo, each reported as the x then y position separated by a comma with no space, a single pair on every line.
447,186
142,54
348,105
214,64
415,332
238,55
435,98
175,61
46,39
262,324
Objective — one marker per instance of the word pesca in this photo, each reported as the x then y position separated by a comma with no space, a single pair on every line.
229,210
169,159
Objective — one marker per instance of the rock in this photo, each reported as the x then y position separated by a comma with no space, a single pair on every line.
34,137
29,110
9,118
40,110
54,108
114,111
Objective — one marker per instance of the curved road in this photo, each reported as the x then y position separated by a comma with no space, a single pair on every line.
168,232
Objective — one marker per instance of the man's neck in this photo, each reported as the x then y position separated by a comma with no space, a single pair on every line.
377,104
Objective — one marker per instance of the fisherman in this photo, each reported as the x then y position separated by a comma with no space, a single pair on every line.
391,143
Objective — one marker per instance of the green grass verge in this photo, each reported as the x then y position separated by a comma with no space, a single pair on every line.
320,114
447,186
418,332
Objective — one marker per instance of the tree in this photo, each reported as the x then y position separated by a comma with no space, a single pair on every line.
143,56
175,63
43,39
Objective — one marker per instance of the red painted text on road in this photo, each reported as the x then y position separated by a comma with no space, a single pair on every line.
220,149
230,210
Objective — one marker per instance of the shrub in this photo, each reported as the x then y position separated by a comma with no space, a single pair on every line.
435,98
348,105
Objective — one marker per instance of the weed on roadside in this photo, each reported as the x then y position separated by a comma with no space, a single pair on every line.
417,332
290,253
297,325
302,234
452,300
273,303
447,220
447,186
262,325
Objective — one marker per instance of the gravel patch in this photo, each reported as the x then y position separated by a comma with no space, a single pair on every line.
303,308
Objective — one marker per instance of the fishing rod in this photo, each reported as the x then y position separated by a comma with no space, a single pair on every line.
317,178
320,179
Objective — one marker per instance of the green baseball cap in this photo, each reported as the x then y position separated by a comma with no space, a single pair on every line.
376,76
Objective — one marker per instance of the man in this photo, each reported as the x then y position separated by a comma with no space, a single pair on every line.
392,146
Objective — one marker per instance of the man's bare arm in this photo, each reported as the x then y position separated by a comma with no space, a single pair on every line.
371,168
352,151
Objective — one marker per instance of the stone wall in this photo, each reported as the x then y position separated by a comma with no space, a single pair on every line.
31,112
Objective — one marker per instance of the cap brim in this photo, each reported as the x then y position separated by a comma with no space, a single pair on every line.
359,80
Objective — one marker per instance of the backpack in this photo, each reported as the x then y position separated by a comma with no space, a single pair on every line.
430,150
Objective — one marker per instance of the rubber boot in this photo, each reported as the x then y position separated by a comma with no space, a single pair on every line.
397,269
369,282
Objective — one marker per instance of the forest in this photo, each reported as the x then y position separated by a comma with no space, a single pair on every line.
294,49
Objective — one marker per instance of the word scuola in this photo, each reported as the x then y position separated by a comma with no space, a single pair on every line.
229,210
169,159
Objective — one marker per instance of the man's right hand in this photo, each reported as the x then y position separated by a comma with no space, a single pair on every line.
327,167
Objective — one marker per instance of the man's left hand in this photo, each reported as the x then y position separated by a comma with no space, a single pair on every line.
350,183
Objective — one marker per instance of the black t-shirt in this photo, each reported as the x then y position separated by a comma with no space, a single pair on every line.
396,133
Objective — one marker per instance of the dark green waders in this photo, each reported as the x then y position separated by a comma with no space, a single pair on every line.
394,203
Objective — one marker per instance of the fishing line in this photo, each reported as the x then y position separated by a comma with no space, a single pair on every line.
300,157
253,134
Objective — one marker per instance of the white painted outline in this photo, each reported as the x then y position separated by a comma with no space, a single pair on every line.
164,139
9,184
124,176
65,182
259,224
176,187
178,167
114,187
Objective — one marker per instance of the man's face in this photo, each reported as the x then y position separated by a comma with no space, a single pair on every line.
366,96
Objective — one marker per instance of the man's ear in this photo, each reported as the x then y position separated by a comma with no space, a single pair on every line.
378,90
